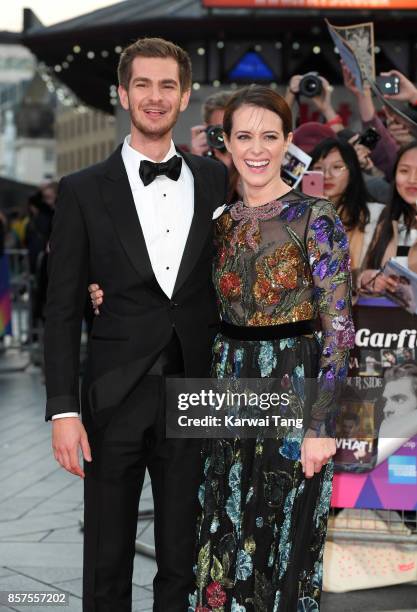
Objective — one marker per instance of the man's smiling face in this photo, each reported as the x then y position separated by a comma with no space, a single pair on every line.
154,98
399,398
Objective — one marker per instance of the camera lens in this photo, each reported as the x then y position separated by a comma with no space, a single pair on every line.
310,86
215,138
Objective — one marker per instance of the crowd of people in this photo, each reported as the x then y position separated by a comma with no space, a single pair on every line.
29,228
373,185
372,182
281,271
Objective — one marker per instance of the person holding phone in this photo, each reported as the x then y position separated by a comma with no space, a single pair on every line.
345,187
395,86
407,91
384,153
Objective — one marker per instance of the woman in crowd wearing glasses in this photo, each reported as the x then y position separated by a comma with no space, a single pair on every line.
345,187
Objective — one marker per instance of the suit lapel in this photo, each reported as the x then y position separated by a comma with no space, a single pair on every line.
120,204
200,225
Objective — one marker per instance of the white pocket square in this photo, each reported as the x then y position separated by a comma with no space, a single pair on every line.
218,211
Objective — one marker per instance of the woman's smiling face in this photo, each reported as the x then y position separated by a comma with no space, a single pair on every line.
257,144
406,176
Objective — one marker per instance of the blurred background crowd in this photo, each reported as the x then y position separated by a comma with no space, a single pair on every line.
59,112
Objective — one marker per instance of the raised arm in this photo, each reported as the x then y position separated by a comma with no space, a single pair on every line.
384,154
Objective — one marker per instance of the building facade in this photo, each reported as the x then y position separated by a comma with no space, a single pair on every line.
83,136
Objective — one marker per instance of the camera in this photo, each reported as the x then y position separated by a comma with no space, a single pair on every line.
388,85
369,138
215,138
310,85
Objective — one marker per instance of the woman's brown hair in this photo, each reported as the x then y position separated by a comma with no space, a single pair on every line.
262,97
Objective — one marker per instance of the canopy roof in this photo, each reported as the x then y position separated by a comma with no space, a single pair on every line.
91,71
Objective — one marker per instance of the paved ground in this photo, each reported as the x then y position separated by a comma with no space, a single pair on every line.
41,508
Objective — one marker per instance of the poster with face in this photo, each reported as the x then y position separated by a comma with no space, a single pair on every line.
360,38
376,455
355,435
294,165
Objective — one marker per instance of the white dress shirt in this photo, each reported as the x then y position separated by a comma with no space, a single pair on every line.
165,210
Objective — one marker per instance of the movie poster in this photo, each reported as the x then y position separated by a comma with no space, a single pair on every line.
376,457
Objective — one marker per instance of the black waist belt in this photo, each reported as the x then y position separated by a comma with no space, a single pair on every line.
269,332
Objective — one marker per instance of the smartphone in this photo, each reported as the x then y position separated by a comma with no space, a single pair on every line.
369,138
388,84
313,183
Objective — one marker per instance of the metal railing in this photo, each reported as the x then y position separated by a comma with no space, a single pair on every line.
361,525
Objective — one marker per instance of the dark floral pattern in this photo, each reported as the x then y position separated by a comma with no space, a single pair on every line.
262,527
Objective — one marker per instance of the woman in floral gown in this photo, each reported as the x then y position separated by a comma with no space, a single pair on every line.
282,264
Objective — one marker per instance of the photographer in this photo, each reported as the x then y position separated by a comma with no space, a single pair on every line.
207,139
213,112
311,83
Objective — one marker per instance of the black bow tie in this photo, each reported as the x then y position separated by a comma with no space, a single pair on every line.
148,171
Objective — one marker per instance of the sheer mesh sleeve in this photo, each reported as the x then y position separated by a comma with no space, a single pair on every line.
328,253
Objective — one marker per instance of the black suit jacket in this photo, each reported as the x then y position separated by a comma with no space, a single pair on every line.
97,237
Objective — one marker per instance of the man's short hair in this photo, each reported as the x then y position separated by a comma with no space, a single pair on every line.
154,47
217,101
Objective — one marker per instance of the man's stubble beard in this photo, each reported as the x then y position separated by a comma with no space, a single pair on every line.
154,134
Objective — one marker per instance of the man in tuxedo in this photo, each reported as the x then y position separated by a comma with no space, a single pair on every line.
140,225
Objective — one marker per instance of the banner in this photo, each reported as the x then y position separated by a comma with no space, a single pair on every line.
383,375
313,4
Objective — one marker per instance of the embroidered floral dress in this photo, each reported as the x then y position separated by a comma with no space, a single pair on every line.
262,527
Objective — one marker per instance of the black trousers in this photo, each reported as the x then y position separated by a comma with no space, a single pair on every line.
133,441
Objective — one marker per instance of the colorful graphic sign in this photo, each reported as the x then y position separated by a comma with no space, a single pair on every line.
388,486
383,370
313,4
402,469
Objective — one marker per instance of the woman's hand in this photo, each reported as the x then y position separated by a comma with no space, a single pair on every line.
316,452
323,102
362,152
385,283
408,91
96,296
374,281
199,144
293,89
349,81
398,130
